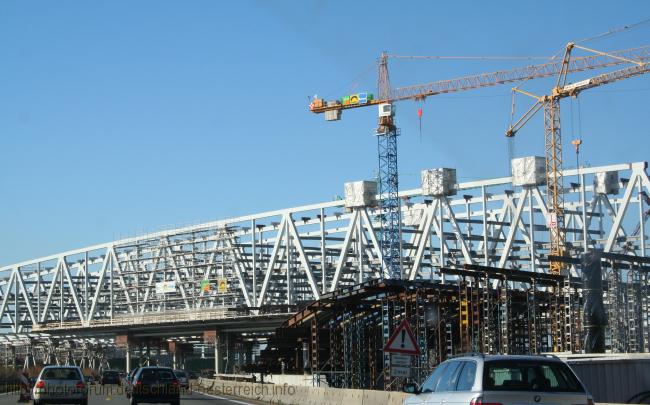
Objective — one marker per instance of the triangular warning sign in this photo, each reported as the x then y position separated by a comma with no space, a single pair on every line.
402,341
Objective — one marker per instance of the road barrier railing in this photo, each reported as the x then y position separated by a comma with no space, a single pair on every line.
298,395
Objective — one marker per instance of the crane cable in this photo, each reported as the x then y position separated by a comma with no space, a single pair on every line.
354,83
450,57
614,31
511,139
577,141
513,109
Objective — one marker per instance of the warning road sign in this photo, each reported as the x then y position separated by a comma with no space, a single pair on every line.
400,360
404,372
402,341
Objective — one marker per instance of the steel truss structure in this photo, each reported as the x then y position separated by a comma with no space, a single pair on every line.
487,309
27,350
484,309
292,256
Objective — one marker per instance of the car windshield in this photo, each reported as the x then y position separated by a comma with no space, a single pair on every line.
110,373
180,374
529,375
60,374
153,374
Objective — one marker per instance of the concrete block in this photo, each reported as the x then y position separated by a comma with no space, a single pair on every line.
206,383
317,397
360,194
248,390
352,397
374,397
397,398
334,396
308,399
439,182
606,183
412,216
528,171
299,397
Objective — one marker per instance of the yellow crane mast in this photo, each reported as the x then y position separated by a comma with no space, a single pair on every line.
553,135
387,96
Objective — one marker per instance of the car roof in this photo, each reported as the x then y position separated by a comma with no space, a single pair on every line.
56,366
507,357
520,357
155,368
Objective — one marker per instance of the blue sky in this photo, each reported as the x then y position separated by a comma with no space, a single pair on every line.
122,117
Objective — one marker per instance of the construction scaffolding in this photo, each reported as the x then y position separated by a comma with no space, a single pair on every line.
478,309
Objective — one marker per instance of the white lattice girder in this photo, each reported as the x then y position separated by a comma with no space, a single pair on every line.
500,231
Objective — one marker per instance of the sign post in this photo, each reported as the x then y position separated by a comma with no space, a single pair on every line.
400,365
402,346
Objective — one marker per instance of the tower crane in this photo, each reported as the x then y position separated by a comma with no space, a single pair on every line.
387,131
553,136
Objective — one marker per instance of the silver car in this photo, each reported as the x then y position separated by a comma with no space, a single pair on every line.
183,381
60,385
477,379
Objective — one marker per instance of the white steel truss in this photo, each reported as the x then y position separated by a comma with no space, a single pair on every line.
292,256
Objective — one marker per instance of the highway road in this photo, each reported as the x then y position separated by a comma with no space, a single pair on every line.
113,395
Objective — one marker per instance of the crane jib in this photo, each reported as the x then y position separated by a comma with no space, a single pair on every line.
418,92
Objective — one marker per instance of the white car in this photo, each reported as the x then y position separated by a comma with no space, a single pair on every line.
60,385
477,379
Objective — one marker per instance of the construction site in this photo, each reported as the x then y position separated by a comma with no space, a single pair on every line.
552,259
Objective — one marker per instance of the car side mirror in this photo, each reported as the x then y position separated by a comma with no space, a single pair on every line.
411,388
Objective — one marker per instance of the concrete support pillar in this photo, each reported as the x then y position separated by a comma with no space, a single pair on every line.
248,348
305,356
128,357
217,354
125,342
241,361
178,351
226,368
